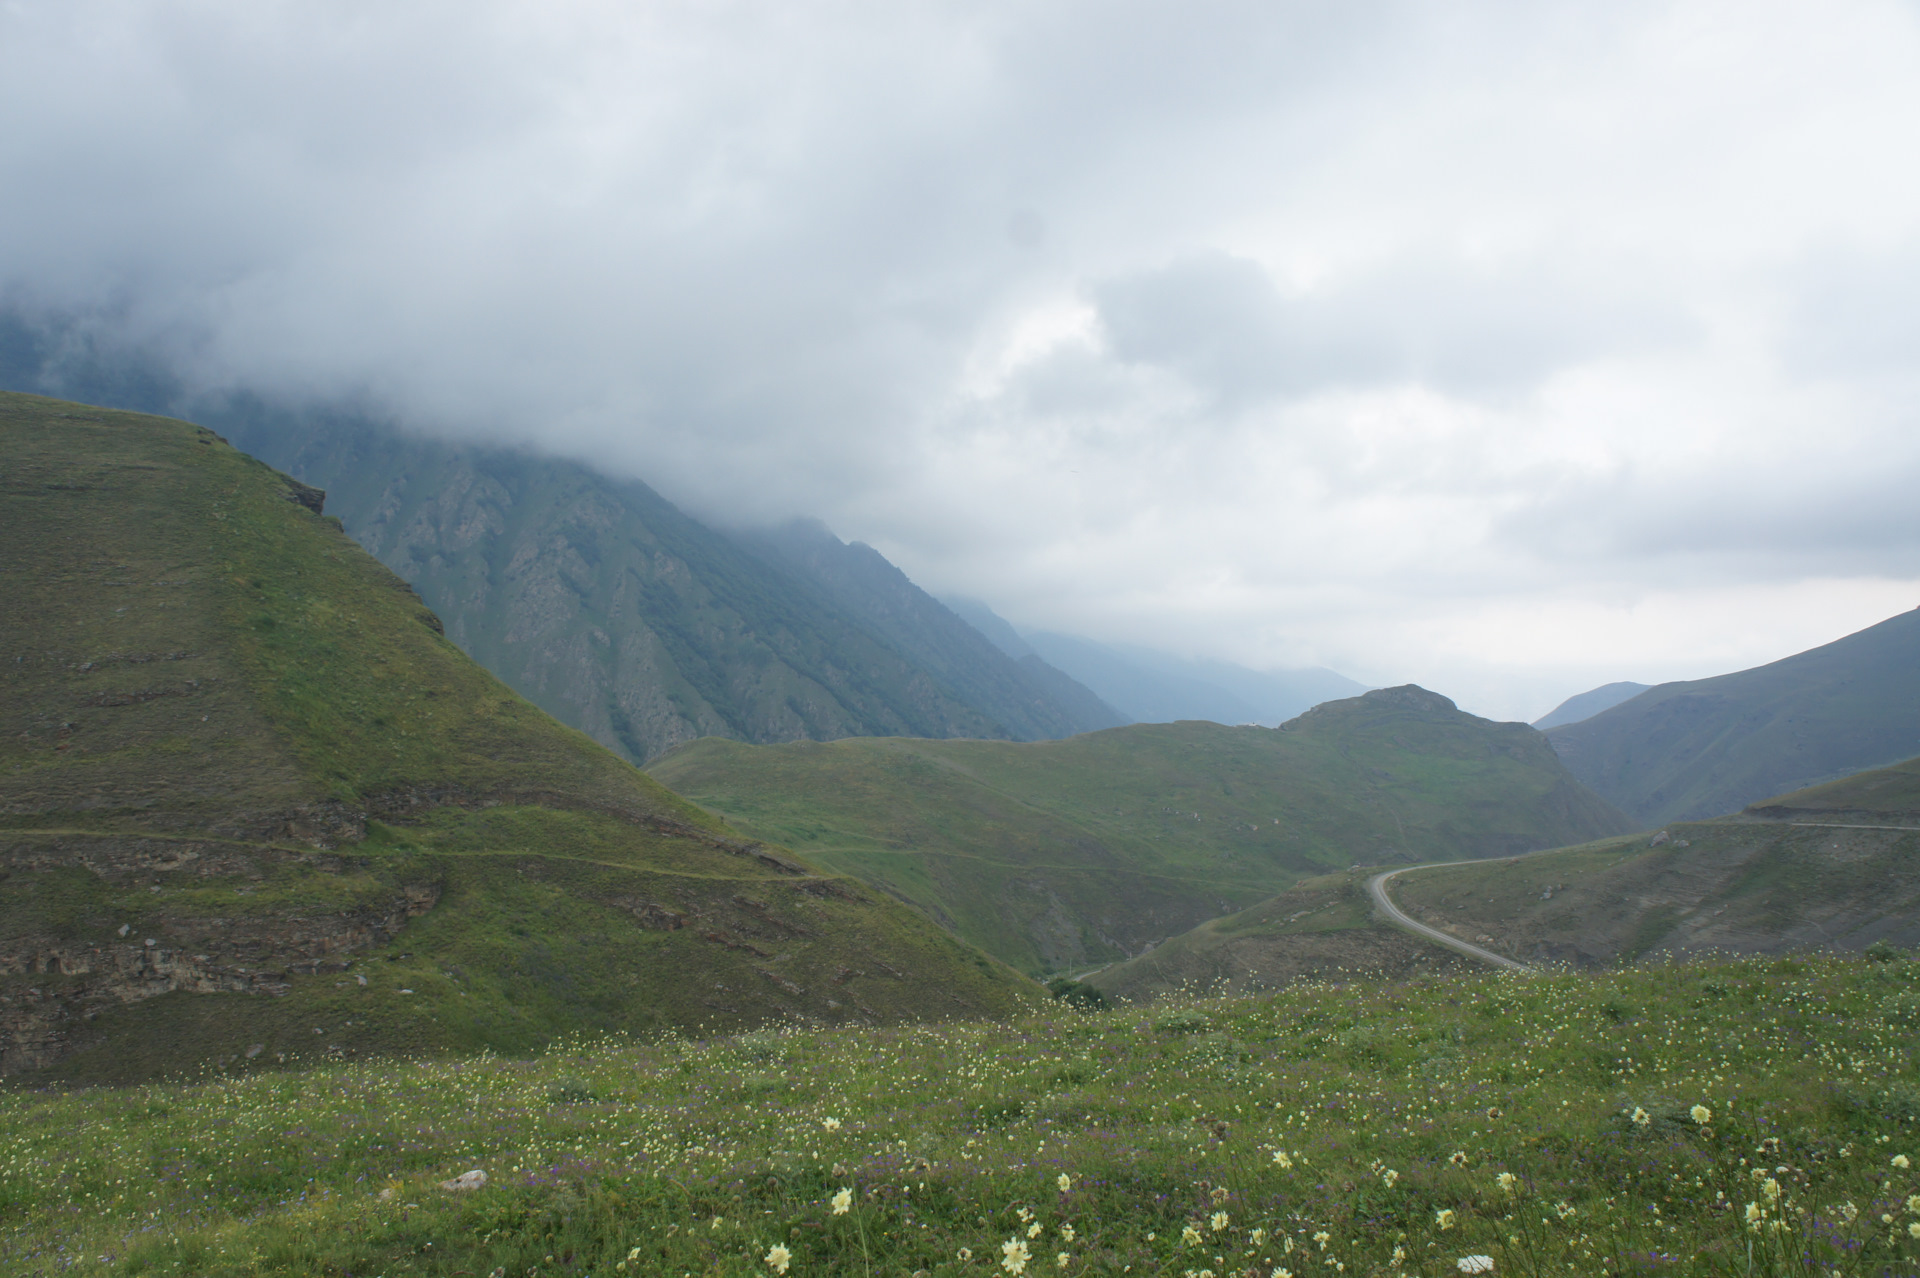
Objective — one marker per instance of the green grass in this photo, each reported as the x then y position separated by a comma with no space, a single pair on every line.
1055,855
1889,794
1548,1122
248,770
1321,927
1713,886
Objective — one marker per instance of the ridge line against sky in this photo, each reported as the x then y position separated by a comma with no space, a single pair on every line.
1506,349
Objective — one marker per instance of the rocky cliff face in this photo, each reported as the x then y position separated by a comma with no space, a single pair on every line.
617,613
1030,699
94,921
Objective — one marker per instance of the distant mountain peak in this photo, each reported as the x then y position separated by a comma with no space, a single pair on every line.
1411,696
1584,706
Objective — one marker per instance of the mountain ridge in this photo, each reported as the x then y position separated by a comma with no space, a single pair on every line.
1058,854
1030,698
1702,748
252,794
1585,705
624,616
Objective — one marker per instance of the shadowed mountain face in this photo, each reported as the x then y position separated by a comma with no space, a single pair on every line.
1058,854
1706,747
614,611
1587,704
253,801
1031,699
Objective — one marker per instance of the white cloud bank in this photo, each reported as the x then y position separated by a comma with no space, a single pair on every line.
1509,348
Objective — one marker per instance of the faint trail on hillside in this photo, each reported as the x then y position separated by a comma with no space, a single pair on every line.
1835,825
1377,889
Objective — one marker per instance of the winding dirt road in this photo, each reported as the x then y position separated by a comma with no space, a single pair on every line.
1377,889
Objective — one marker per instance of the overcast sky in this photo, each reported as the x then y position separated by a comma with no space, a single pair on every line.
1505,348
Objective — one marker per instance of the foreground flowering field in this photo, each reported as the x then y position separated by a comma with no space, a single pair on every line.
1739,1118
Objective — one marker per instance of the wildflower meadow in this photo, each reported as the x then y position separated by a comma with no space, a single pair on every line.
1743,1117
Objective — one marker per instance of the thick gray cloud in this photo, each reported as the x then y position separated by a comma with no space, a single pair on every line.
1223,323
1509,347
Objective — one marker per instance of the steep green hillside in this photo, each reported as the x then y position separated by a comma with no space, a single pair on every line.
1887,796
606,605
252,800
1707,747
1058,854
602,602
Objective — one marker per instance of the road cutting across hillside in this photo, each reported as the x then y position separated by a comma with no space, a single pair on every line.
1377,889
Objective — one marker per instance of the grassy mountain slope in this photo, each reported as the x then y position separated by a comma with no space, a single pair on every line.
1029,698
1835,867
1320,927
1707,747
606,605
1889,796
599,600
251,798
1056,854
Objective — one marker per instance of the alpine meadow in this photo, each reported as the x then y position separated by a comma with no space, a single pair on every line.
959,640
365,966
